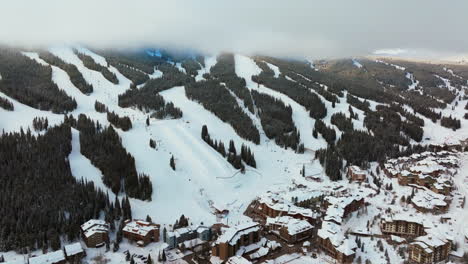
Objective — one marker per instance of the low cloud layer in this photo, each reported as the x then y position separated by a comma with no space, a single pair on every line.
306,28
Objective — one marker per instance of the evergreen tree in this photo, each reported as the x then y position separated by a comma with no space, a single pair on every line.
204,133
149,260
115,247
147,121
232,147
172,163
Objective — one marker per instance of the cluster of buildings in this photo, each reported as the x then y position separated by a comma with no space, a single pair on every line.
187,238
323,224
72,253
433,170
430,173
427,246
330,236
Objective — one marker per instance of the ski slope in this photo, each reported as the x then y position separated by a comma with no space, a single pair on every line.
203,179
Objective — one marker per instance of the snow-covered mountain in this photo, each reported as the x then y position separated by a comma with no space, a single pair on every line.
204,181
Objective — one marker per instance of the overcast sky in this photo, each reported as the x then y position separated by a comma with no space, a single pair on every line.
309,28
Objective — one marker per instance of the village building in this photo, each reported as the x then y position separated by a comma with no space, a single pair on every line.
339,208
273,206
290,229
196,239
405,225
74,253
429,249
141,232
332,241
405,177
95,233
355,173
426,200
237,240
56,257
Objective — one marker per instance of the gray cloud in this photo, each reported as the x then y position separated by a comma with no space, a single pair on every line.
308,28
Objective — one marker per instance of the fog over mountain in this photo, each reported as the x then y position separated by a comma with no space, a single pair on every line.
283,28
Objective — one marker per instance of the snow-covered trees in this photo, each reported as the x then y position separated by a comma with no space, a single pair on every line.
41,190
123,123
450,122
103,147
91,64
100,107
75,75
246,154
31,83
208,94
276,119
40,123
6,104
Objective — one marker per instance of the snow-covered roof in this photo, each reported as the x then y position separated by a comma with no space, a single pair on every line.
73,249
49,258
357,170
92,223
237,260
432,240
232,234
279,204
334,233
17,261
407,217
293,225
337,206
263,251
95,230
428,199
397,239
141,228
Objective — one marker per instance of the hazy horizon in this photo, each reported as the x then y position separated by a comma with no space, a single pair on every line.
312,29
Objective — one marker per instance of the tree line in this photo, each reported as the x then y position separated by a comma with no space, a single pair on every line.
276,119
75,75
35,172
89,63
216,99
123,123
30,83
147,100
224,70
6,104
231,155
103,147
295,91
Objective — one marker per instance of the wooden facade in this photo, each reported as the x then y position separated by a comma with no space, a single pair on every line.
327,246
141,232
228,248
420,252
402,228
355,173
95,233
